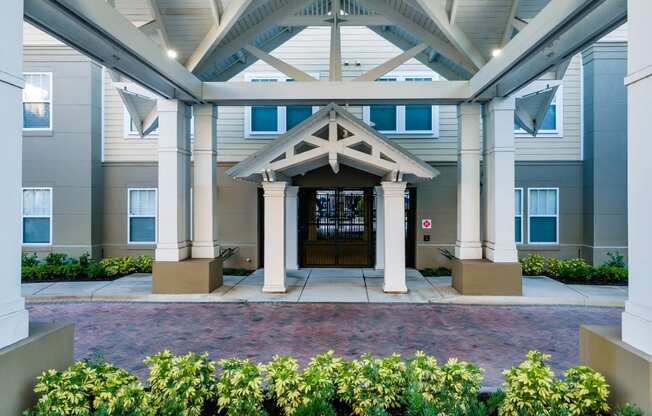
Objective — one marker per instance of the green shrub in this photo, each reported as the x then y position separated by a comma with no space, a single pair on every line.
424,378
144,264
436,272
239,388
585,392
182,384
628,410
95,270
119,266
315,408
29,260
610,274
530,388
616,260
285,383
56,259
72,271
533,265
373,385
320,377
460,386
575,269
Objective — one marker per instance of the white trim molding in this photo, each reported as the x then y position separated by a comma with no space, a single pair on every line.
50,102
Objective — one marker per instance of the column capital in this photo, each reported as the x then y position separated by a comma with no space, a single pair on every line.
274,189
291,191
204,110
393,188
166,106
469,109
501,104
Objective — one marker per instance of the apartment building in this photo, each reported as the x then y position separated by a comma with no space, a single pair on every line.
90,176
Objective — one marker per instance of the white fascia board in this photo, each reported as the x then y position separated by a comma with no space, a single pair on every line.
559,31
97,30
324,92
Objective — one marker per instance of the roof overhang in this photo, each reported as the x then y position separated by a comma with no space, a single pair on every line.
332,136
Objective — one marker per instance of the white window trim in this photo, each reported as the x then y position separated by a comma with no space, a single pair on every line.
529,216
130,216
559,131
50,101
133,134
521,214
400,110
23,216
281,113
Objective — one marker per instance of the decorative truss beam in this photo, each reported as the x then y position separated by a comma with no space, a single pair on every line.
280,65
455,35
215,35
391,64
434,41
362,20
344,92
452,14
509,27
156,13
335,58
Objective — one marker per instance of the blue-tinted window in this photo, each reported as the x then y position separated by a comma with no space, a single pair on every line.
543,215
383,117
264,118
518,218
142,230
550,121
418,117
295,114
37,99
543,230
36,230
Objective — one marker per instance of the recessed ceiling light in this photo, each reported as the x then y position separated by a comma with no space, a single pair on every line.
172,54
496,52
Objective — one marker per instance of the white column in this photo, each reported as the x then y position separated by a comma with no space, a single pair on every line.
173,182
274,272
468,245
380,229
394,236
291,228
499,244
204,194
13,316
637,318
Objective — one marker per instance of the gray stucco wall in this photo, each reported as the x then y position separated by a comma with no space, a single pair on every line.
605,150
67,158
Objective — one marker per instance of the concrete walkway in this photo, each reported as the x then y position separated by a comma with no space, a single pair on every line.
330,285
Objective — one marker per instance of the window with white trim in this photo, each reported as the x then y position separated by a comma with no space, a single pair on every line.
543,215
553,121
37,216
518,215
410,119
142,209
37,101
264,121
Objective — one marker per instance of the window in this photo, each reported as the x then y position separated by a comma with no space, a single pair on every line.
552,123
543,215
37,216
269,120
142,216
518,215
415,119
37,101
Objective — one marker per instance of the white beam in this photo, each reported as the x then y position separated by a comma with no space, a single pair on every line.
156,13
453,33
509,26
558,31
216,10
209,54
391,64
426,59
361,20
335,58
321,93
280,65
518,24
453,12
215,35
437,43
99,31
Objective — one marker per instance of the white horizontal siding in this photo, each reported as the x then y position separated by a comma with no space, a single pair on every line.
362,50
34,36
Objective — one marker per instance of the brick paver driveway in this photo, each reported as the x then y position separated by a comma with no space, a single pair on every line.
495,337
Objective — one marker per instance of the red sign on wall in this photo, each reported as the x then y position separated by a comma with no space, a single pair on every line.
426,223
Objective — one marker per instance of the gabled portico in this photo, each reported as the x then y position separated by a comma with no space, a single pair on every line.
332,137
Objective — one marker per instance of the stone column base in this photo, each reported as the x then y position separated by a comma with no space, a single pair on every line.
483,277
47,346
186,276
628,370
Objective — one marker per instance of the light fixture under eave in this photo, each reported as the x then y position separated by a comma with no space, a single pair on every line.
496,52
172,54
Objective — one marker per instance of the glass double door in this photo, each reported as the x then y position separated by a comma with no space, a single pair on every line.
336,227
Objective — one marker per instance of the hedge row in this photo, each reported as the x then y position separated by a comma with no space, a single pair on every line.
58,266
327,386
576,270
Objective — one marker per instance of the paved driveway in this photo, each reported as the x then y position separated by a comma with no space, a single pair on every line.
495,337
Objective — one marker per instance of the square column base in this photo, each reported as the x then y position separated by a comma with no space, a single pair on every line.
47,346
485,278
627,369
186,276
